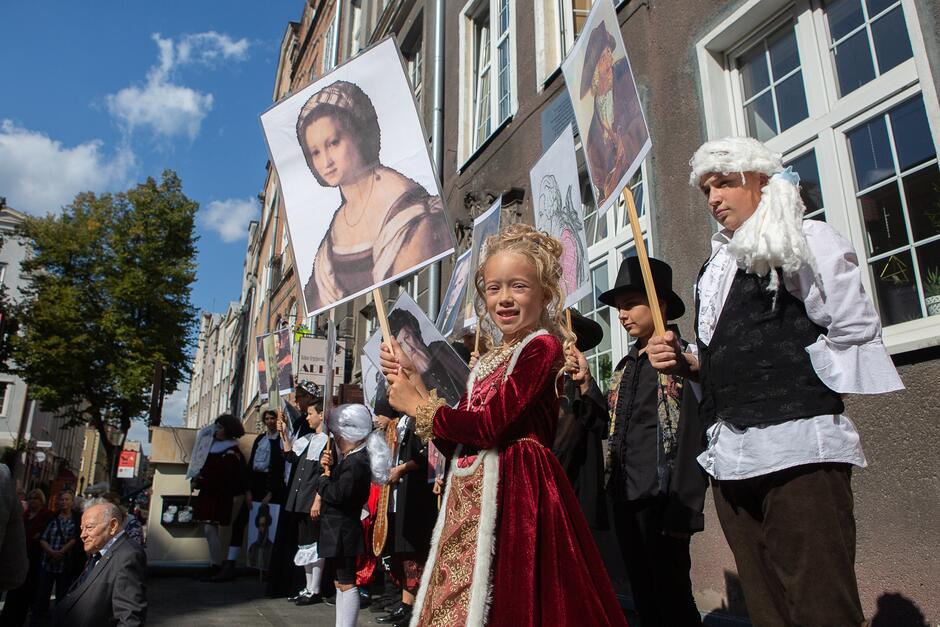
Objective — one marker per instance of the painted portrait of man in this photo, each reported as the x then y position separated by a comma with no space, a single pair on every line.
606,104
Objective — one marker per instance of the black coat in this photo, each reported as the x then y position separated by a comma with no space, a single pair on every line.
580,450
686,483
343,495
303,482
416,508
114,593
261,483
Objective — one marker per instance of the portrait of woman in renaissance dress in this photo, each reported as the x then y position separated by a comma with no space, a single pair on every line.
386,223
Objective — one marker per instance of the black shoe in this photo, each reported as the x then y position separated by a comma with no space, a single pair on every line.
312,599
226,573
404,622
329,601
294,598
365,599
384,604
403,611
208,573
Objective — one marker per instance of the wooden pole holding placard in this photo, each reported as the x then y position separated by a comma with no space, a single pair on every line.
476,339
382,315
660,327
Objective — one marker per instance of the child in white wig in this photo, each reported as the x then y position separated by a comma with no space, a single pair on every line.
364,457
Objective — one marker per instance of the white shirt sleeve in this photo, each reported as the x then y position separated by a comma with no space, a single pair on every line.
851,357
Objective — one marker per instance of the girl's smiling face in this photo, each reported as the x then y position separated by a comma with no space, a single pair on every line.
514,297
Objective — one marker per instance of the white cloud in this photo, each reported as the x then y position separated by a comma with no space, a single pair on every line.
229,218
165,107
168,110
39,175
174,405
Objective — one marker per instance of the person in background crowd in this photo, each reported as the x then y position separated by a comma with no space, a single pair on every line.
221,480
35,518
656,486
132,527
285,578
111,589
364,458
784,329
302,505
12,535
265,484
579,440
412,512
55,569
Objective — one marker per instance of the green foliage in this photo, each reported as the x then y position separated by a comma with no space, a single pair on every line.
932,284
108,297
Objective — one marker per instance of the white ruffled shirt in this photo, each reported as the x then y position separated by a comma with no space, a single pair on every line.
849,359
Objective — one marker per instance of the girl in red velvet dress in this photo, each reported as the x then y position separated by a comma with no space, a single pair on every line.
511,546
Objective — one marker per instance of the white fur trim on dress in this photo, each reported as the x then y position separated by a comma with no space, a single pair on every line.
481,594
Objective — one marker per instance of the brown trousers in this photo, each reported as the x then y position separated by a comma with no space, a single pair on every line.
792,533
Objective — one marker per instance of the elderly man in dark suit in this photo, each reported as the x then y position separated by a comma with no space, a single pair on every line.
111,589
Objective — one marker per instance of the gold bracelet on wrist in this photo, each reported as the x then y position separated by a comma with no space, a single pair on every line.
424,415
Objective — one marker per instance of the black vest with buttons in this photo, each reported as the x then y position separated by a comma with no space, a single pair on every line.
756,371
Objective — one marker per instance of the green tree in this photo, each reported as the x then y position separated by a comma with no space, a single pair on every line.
108,297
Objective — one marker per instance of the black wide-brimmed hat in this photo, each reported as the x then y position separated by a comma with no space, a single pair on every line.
630,279
589,333
600,41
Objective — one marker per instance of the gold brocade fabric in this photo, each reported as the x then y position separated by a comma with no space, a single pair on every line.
447,601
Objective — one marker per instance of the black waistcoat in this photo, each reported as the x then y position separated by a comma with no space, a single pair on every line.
756,371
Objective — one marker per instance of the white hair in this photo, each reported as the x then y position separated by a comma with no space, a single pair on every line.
353,423
773,236
110,509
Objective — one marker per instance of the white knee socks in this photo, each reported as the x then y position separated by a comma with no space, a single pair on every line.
215,544
347,607
313,572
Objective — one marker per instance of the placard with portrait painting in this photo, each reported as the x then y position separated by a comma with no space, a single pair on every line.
556,203
606,105
362,200
439,365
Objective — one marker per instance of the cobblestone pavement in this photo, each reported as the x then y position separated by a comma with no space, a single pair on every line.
180,601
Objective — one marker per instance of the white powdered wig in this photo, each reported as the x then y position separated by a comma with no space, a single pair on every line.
773,236
353,423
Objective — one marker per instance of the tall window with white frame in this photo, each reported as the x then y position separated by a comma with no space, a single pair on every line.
415,61
863,140
610,240
771,80
481,74
487,51
867,39
897,183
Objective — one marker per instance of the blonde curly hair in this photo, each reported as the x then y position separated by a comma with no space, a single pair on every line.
544,252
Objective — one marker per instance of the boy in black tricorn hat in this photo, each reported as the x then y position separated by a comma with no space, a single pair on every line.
656,486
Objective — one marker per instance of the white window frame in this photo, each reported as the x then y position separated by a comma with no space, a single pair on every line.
467,144
554,37
5,403
329,44
831,116
611,250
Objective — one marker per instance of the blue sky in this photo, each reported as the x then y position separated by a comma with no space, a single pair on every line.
89,102
99,95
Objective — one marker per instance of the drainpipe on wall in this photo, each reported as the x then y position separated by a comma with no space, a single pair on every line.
437,142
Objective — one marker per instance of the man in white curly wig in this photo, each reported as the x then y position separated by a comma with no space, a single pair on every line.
784,330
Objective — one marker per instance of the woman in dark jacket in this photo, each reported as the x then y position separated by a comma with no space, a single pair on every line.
221,479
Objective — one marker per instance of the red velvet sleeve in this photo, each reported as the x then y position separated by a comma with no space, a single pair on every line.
533,374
